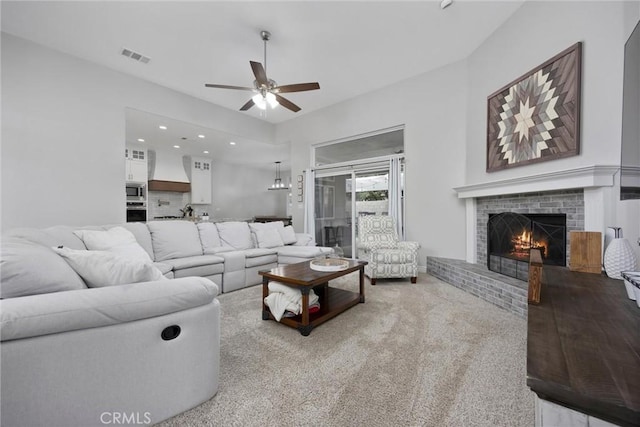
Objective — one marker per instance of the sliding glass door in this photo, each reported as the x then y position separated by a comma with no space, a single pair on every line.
333,207
340,198
357,176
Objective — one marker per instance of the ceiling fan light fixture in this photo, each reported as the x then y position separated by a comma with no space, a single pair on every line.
271,100
259,100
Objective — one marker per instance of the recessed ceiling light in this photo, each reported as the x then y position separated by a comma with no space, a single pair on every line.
176,146
200,136
232,143
163,127
205,152
140,140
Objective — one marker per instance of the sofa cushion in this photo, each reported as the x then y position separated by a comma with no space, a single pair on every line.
92,308
208,271
163,267
261,260
235,234
304,239
268,238
258,256
52,236
174,239
288,235
306,252
142,235
194,261
117,240
102,268
208,237
29,268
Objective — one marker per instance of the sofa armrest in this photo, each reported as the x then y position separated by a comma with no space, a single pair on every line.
58,312
304,239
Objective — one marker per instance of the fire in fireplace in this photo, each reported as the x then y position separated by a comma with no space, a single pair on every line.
510,237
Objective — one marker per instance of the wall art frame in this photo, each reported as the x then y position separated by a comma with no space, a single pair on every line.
536,117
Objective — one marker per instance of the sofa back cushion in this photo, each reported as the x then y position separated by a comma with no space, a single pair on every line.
208,236
142,235
268,238
287,234
29,268
117,240
104,268
52,236
174,239
235,234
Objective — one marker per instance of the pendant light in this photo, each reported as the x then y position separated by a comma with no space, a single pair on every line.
277,182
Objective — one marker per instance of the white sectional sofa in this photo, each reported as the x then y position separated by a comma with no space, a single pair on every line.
76,351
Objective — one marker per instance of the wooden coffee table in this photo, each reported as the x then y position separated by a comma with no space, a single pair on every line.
332,301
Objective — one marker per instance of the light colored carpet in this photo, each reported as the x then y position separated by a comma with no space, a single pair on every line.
425,354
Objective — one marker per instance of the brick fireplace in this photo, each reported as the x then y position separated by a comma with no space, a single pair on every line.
584,195
563,202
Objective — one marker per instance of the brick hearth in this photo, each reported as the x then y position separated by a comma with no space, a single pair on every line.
498,289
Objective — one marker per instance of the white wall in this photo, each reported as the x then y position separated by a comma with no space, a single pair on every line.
241,192
445,115
63,134
536,32
431,106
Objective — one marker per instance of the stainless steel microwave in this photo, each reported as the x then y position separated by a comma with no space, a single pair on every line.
136,191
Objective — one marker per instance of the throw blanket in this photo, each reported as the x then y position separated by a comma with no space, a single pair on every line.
285,298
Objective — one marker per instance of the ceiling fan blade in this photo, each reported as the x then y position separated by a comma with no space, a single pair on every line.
298,87
248,105
228,87
258,71
287,104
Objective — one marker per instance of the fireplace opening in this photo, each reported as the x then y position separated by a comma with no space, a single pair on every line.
510,237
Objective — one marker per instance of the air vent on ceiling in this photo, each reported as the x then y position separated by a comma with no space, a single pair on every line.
135,55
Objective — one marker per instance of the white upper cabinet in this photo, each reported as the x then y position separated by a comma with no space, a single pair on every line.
200,180
135,164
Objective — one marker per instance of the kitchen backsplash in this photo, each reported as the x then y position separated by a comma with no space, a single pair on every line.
166,203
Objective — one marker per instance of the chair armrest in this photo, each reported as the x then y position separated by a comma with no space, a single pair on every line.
410,246
58,312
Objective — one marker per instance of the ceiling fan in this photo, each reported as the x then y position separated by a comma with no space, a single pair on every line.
267,90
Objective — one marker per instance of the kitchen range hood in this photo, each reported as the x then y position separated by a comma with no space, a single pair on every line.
168,173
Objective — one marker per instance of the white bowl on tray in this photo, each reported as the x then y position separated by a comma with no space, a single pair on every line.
329,264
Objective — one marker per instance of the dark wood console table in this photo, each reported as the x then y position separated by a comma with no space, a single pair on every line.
583,346
285,219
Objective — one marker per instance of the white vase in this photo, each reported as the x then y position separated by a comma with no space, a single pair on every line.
619,257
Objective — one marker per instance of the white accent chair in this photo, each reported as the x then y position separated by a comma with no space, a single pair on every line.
387,257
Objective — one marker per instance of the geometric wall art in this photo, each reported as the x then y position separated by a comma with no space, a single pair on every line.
536,117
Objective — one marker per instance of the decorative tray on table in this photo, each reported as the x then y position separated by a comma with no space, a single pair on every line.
329,264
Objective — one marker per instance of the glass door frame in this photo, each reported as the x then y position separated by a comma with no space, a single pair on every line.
351,170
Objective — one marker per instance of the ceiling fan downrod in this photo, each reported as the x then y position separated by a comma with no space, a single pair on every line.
265,38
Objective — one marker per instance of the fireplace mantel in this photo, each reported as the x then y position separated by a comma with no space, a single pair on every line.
597,184
585,177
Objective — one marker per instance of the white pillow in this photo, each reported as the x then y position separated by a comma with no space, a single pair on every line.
288,235
117,240
102,268
268,238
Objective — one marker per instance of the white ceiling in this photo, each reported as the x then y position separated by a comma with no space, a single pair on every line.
350,48
244,151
